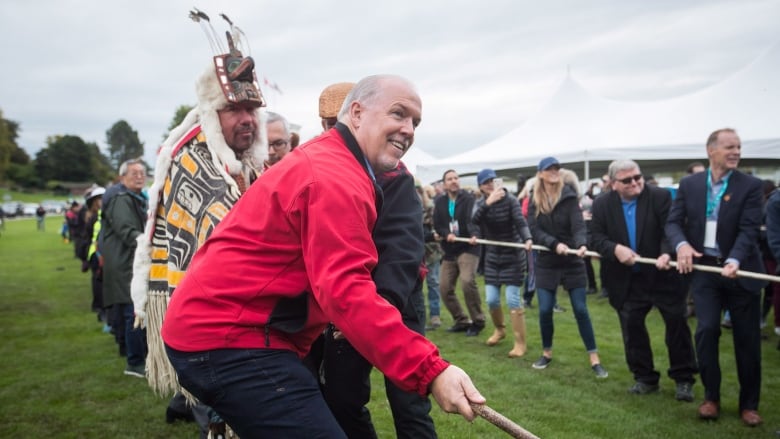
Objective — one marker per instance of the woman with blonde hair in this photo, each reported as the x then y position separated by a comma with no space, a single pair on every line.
555,219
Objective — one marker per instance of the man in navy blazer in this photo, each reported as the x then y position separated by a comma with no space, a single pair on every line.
628,222
715,220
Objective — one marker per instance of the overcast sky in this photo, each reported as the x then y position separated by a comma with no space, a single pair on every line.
481,68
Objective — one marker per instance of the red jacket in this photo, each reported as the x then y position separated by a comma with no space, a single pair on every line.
293,254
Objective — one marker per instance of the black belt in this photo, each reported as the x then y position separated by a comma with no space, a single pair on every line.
716,261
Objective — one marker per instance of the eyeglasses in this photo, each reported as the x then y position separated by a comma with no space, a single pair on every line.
278,144
627,180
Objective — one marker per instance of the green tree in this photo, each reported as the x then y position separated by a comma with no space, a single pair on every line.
7,145
102,171
123,143
65,158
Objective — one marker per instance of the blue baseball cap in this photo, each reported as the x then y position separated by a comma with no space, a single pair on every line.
485,175
547,162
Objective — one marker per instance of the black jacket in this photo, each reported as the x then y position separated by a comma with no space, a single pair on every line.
608,229
503,221
464,208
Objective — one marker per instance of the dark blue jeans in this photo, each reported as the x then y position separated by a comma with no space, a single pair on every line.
260,393
135,338
580,308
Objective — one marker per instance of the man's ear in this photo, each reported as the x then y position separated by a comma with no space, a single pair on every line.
355,113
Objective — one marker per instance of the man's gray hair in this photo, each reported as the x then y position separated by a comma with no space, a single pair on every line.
366,91
127,163
272,117
621,165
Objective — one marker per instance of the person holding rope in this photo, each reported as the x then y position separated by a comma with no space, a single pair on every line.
629,221
715,220
344,374
268,281
500,218
555,219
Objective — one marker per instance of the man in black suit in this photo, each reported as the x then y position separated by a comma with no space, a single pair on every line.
715,220
629,221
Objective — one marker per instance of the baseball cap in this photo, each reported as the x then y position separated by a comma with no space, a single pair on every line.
547,162
485,175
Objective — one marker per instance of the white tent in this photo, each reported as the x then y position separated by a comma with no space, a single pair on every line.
578,127
414,157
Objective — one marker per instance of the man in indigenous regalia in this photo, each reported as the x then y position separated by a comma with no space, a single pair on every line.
203,167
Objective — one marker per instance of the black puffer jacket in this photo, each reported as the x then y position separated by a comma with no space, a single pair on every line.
564,224
503,221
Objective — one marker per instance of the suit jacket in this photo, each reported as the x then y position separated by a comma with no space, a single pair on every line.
739,221
608,229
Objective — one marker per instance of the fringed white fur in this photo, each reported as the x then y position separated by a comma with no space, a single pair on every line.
210,100
160,373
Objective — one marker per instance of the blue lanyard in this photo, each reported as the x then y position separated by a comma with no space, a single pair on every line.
711,203
451,206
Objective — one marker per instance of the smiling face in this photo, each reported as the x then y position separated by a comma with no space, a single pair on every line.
239,125
384,125
725,153
628,183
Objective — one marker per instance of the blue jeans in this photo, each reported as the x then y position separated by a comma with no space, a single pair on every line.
135,338
580,308
493,296
432,279
260,393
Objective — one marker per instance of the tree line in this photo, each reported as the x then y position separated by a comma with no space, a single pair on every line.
68,158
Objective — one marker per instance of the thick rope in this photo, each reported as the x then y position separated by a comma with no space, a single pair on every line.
502,422
707,268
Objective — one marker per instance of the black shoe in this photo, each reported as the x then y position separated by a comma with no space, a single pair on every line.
591,291
475,329
529,304
684,391
640,388
459,327
172,416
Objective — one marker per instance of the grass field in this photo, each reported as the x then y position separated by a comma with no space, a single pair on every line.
61,377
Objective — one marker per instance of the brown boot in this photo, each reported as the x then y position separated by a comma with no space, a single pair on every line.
518,327
498,321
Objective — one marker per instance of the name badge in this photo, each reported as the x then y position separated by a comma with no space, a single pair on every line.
709,234
454,227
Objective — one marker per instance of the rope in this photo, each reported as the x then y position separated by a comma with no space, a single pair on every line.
502,422
707,268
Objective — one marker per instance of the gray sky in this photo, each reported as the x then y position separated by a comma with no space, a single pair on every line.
481,68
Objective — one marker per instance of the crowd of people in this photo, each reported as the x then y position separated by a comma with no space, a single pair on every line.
258,282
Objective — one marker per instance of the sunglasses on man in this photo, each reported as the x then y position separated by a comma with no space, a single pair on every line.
627,180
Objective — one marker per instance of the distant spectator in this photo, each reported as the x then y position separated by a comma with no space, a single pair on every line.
40,215
695,168
124,216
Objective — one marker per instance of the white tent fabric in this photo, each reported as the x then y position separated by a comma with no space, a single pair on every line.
414,156
576,126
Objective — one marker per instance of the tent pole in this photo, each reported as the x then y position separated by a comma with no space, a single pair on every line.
587,167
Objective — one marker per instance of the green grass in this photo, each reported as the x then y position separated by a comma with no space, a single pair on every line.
60,376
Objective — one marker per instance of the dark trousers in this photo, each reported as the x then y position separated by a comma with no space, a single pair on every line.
346,386
260,393
712,294
671,304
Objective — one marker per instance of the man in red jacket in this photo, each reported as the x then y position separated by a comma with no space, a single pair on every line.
295,253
